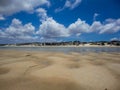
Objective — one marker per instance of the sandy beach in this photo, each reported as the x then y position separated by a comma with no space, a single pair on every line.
33,70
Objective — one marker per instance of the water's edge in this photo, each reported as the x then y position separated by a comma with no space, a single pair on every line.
66,49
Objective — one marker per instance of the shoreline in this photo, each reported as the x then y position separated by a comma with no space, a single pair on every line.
64,46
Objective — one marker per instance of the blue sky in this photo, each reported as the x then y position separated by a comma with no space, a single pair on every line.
59,20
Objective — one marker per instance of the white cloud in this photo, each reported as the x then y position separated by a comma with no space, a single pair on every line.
78,27
110,27
59,9
95,27
2,34
42,13
17,29
71,4
51,29
67,3
110,20
42,39
8,7
18,32
95,16
1,17
115,38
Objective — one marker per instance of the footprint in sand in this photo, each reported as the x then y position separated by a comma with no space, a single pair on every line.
4,70
73,65
40,64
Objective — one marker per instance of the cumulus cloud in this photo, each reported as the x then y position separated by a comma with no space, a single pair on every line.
8,7
71,4
78,27
17,29
95,27
110,27
110,20
51,29
18,32
2,34
42,13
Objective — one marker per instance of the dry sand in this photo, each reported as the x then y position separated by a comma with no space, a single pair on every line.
25,70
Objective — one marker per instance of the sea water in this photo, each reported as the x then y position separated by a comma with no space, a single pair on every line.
66,49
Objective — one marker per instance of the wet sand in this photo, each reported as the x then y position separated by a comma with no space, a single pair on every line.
25,70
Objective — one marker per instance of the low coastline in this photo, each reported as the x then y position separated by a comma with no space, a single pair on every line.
62,46
26,70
